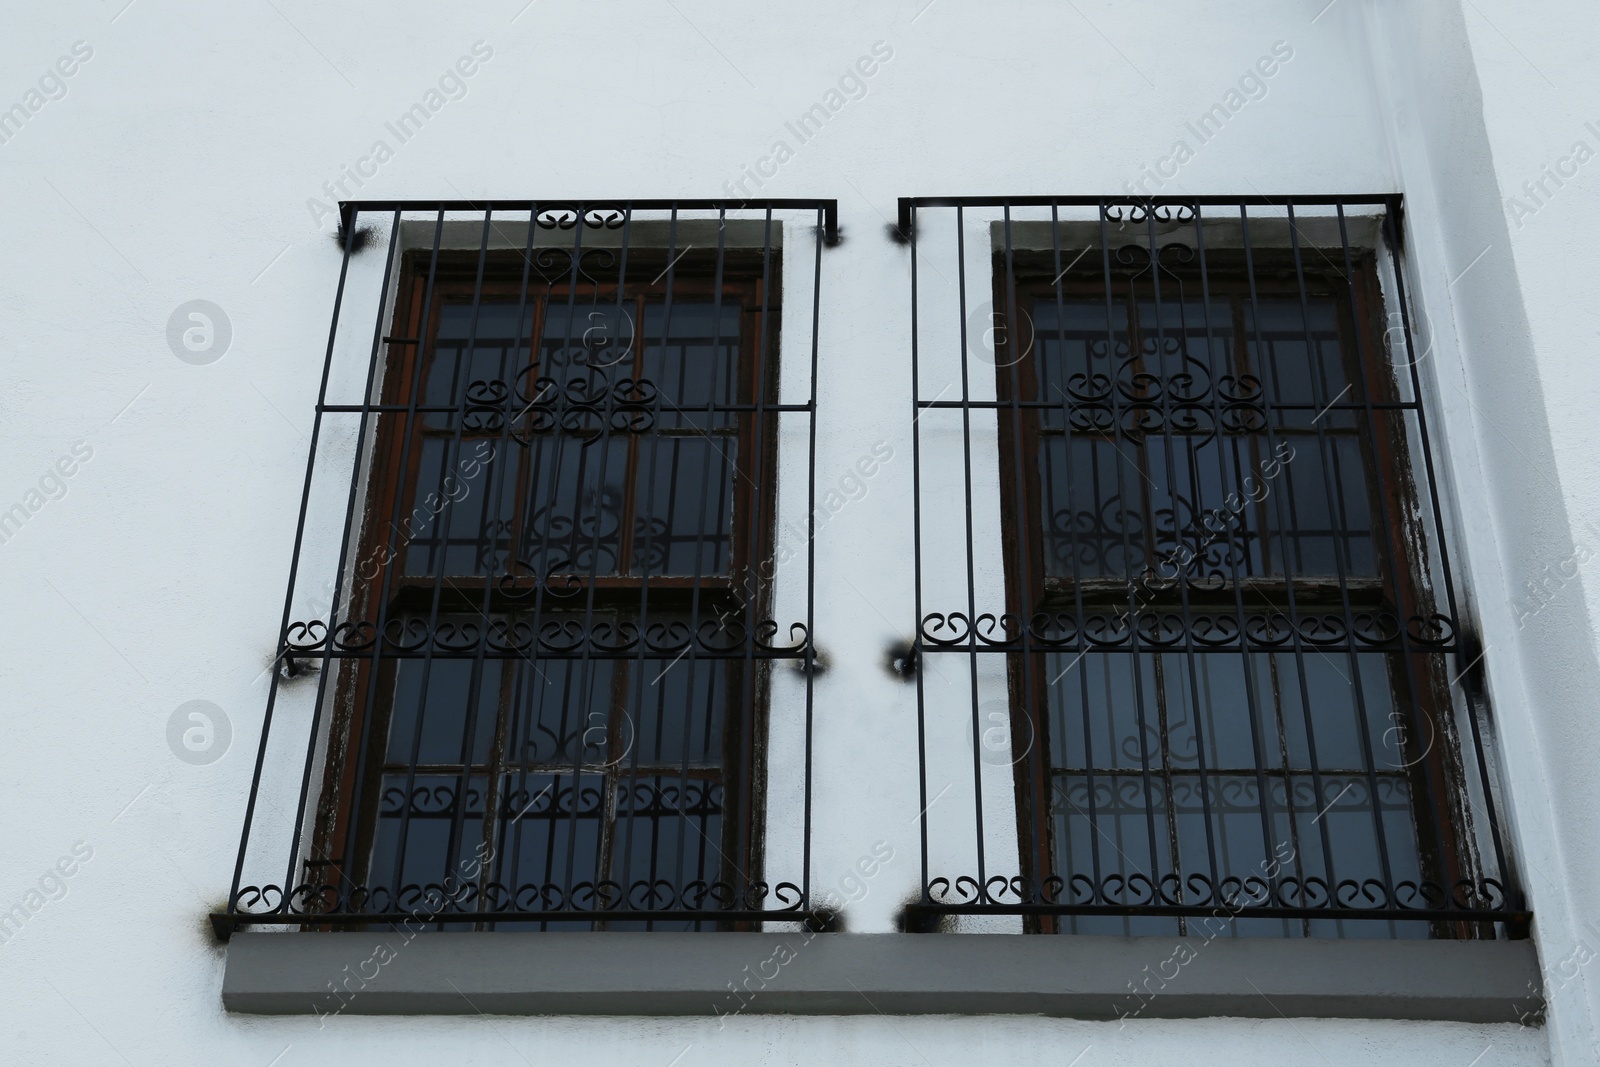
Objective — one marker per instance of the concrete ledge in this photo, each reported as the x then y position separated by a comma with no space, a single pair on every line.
432,973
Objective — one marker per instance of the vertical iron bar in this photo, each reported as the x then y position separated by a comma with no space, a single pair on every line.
338,579
1284,530
1023,534
288,602
419,383
1077,578
700,515
756,547
747,782
637,682
442,531
369,399
1327,454
972,598
1246,662
586,668
811,567
916,652
511,684
1135,653
1190,663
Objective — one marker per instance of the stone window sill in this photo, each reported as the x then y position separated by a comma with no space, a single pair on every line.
432,973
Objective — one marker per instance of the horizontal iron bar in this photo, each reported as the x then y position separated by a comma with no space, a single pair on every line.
225,922
1275,771
521,407
1197,910
1297,200
649,656
1234,646
1126,402
349,209
1386,200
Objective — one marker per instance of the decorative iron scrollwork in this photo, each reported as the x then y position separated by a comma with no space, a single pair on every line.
583,407
561,635
466,900
1233,896
1134,211
566,216
1155,630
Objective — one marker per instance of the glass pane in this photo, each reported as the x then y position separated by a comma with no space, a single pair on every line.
676,712
1186,346
548,838
1105,829
1072,339
477,354
1174,469
462,702
683,506
572,517
1296,353
464,497
1205,740
588,338
691,356
1092,507
585,349
1098,700
1214,721
1324,508
669,829
562,710
429,829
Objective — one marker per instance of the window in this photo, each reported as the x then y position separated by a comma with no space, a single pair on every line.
1189,656
1226,617
547,670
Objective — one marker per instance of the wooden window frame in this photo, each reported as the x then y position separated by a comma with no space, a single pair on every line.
750,280
1020,276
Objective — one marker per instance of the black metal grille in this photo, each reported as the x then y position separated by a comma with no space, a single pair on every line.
1187,663
531,660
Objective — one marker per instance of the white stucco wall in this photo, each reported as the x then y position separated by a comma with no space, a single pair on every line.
178,166
1480,98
